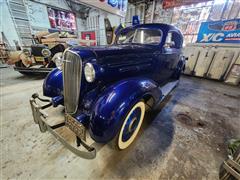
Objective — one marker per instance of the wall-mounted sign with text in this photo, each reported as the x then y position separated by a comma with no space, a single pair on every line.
176,3
62,20
118,7
227,31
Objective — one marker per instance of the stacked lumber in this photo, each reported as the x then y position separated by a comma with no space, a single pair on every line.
52,39
3,52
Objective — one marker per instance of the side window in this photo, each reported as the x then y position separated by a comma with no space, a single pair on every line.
173,40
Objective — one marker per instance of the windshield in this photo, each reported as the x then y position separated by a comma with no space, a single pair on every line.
140,36
147,36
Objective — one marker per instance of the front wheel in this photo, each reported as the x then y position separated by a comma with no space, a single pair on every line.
131,126
20,64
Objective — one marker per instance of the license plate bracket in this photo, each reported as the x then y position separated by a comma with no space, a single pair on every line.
76,127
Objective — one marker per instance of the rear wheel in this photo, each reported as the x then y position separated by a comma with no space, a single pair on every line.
131,126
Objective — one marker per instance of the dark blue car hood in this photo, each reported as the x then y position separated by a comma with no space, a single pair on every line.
102,53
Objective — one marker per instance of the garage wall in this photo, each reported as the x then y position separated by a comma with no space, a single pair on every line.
95,22
62,4
135,9
114,20
81,24
7,25
38,15
37,12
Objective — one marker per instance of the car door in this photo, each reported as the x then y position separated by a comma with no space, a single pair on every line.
170,55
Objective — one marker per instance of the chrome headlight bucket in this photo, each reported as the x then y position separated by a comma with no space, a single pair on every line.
58,60
27,52
89,72
46,53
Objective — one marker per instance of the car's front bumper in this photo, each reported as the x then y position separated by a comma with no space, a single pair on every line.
33,70
39,116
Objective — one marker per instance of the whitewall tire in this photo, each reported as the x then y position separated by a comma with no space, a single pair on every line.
131,126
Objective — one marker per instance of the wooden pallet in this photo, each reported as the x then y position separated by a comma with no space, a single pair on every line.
231,167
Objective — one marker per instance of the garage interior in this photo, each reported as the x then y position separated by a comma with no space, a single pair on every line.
190,135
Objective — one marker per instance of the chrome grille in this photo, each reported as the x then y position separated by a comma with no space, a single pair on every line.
72,73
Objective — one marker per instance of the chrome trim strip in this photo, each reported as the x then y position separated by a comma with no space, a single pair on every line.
80,77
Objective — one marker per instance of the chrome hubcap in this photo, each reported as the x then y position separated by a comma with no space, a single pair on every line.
132,125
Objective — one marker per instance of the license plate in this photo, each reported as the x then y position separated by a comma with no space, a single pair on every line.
76,127
39,59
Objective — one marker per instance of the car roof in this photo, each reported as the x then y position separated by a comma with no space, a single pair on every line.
162,26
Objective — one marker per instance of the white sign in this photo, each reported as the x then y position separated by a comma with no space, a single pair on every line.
118,7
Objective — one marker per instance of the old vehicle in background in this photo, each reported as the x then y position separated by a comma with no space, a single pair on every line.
39,58
45,52
107,89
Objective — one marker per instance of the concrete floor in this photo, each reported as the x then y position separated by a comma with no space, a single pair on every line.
185,139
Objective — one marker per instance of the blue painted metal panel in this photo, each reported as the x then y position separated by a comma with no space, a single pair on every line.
53,83
115,102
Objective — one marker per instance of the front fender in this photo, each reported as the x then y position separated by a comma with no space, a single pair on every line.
114,104
53,83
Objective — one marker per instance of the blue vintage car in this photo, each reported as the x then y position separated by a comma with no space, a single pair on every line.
107,89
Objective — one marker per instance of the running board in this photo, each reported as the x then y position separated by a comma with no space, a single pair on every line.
166,90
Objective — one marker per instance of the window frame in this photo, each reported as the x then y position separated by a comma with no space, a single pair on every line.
173,31
161,35
117,39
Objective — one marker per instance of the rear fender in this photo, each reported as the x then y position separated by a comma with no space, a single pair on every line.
114,104
53,83
179,68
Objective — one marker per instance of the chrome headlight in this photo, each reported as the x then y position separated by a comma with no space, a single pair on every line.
46,53
27,52
58,60
89,72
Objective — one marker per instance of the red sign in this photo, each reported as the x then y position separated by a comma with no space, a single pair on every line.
89,35
176,3
230,26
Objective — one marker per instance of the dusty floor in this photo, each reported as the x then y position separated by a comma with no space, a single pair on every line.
185,139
